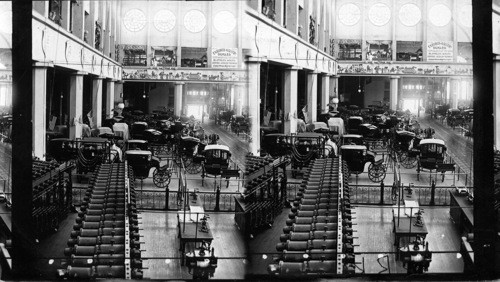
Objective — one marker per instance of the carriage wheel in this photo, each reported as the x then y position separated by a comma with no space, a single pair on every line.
407,161
161,177
376,173
194,168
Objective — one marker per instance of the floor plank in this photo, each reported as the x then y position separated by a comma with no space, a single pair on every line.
161,246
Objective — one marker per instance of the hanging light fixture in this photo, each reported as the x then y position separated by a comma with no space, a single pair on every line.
359,84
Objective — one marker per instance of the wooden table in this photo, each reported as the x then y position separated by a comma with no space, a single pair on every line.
461,212
190,232
406,228
203,267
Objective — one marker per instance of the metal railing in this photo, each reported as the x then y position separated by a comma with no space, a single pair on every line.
370,194
156,200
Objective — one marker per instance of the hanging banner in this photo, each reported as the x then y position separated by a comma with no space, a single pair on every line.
225,58
440,51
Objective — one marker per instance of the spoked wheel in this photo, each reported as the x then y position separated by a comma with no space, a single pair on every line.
376,173
161,177
408,161
193,168
160,150
187,161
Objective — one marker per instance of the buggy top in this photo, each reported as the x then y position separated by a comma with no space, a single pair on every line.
432,141
216,147
353,147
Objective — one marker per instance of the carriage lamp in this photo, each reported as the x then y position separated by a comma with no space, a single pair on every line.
335,100
121,106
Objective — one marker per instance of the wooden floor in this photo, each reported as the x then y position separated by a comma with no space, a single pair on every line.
262,247
161,246
52,247
376,237
162,257
374,229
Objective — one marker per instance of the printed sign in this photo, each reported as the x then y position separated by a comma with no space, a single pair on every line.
440,51
225,58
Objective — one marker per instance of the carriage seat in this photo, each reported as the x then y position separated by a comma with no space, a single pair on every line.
139,160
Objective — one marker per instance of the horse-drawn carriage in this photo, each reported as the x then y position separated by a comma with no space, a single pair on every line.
356,157
373,135
432,156
216,161
404,145
353,123
187,151
239,124
304,147
141,159
455,118
275,144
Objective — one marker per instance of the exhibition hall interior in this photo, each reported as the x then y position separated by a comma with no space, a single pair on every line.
249,139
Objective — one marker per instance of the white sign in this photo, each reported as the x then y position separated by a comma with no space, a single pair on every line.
225,58
440,51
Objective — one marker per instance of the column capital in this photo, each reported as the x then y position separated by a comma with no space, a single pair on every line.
79,73
256,60
108,79
313,72
325,74
394,77
118,81
496,58
42,65
179,83
99,77
294,68
335,76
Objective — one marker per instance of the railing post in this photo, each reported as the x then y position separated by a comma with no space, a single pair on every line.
167,192
217,199
433,191
381,193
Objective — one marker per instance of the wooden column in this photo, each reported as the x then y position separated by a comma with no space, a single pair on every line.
23,237
290,88
312,95
484,213
39,109
394,92
97,101
253,65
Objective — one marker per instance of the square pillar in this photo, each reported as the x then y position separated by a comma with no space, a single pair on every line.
325,92
334,89
290,86
78,27
65,11
292,16
312,96
178,98
455,90
394,92
76,105
119,91
496,100
39,109
239,99
110,98
97,101
253,65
